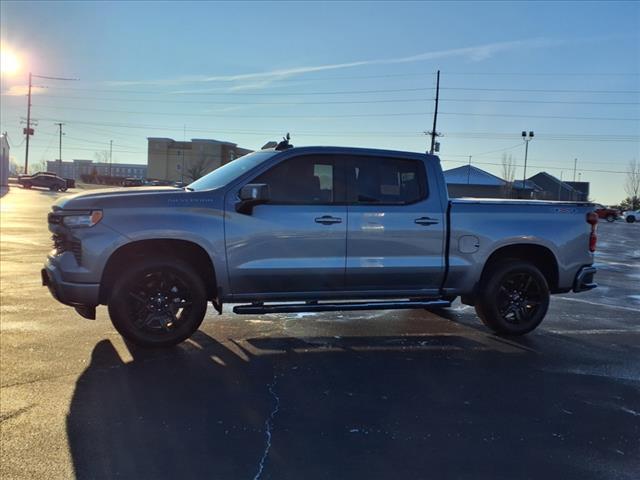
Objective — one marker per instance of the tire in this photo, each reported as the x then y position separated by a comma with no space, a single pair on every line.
514,298
137,303
631,219
26,185
63,188
610,218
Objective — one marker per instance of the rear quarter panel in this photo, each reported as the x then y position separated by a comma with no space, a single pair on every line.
480,228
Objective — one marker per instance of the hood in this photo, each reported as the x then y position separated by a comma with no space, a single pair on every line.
132,197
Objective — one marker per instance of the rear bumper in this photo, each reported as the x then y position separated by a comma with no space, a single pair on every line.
584,279
73,294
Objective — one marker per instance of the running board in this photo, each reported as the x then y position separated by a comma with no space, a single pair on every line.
257,309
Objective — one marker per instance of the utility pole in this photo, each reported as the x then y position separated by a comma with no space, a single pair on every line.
110,155
575,165
433,132
28,132
60,124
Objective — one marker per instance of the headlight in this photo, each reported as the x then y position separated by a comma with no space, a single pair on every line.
82,220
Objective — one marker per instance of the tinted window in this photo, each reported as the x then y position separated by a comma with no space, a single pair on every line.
301,180
392,181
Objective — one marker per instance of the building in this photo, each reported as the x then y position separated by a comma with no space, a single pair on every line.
582,188
4,160
470,181
553,188
526,190
76,168
172,160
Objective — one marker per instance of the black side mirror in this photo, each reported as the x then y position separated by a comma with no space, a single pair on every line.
251,195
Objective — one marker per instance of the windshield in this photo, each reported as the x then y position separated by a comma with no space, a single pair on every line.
230,171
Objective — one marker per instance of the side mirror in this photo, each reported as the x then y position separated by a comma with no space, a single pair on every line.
251,195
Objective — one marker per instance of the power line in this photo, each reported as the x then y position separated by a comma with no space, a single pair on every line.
343,92
493,135
334,102
349,115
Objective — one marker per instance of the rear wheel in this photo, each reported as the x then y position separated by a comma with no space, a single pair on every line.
158,303
610,218
514,298
631,219
26,185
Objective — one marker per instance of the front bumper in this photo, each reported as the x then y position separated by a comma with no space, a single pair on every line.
584,279
69,293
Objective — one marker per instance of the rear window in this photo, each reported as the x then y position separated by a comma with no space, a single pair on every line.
390,181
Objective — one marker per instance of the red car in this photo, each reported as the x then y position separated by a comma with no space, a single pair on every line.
609,214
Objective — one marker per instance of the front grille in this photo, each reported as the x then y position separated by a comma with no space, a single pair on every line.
61,243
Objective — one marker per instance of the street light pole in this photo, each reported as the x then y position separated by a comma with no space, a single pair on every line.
527,138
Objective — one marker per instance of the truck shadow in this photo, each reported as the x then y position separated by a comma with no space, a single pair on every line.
322,407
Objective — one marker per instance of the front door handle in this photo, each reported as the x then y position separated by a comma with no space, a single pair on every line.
426,221
328,220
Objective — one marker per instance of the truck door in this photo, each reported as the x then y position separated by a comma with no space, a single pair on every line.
296,243
396,226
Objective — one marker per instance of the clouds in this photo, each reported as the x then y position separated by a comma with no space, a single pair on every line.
258,80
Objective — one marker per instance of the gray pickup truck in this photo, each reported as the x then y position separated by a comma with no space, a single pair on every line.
313,229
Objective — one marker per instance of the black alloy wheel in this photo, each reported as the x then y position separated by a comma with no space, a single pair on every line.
519,297
513,299
158,303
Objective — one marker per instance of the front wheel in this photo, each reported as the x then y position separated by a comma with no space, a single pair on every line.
610,218
158,303
26,185
631,219
514,298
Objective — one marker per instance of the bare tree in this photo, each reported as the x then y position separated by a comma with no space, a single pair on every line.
632,184
102,156
197,169
508,173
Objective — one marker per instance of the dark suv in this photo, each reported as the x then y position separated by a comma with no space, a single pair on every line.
44,180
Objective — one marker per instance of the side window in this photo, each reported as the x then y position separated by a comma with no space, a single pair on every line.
301,180
390,181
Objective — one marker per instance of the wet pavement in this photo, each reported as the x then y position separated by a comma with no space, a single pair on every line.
375,395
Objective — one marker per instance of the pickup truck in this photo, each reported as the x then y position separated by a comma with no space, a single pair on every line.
313,229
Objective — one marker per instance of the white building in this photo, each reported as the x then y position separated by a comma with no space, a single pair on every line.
77,168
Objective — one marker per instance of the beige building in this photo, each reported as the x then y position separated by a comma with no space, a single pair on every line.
168,159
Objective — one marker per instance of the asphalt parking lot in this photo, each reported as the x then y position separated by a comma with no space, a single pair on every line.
409,394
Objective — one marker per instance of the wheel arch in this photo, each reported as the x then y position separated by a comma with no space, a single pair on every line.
187,250
538,255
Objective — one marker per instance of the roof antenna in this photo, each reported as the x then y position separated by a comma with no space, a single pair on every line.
284,144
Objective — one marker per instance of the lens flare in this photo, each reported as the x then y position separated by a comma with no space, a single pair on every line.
9,63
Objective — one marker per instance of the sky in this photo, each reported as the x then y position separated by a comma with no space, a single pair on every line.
334,73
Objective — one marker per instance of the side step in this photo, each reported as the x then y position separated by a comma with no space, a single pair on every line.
337,307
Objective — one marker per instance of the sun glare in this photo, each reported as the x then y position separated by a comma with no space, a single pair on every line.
9,63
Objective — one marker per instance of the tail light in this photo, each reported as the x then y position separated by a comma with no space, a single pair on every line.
592,219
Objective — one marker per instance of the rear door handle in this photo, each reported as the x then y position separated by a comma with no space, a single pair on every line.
328,220
426,221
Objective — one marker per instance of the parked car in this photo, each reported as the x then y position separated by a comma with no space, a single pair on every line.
132,182
43,180
632,216
609,214
313,229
